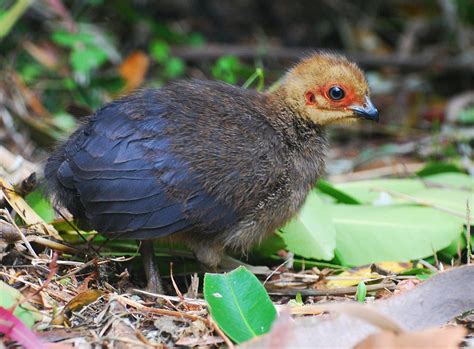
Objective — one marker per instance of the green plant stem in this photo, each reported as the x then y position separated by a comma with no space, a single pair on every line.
258,74
12,15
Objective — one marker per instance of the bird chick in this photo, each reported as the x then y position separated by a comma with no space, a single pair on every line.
215,166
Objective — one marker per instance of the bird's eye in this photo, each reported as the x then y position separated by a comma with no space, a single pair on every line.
336,93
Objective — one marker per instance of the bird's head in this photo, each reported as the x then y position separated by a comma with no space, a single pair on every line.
328,89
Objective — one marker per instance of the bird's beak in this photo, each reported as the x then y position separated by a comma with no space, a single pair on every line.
367,111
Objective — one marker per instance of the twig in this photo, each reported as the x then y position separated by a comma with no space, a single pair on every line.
428,265
329,292
53,268
172,298
468,231
36,287
144,308
274,271
420,201
23,237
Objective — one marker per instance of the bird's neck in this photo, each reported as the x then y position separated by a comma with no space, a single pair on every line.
297,130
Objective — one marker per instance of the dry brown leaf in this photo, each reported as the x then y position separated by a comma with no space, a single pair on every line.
82,299
353,276
446,338
133,70
27,214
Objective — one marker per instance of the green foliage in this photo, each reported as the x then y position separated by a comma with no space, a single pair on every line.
361,292
467,116
227,68
87,52
9,297
311,233
239,304
40,205
172,67
340,196
258,75
12,15
433,168
367,234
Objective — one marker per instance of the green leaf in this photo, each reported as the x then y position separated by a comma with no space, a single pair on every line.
366,191
466,116
226,69
175,67
368,234
437,167
239,304
160,50
450,199
10,17
340,196
26,312
83,60
311,232
361,292
452,180
68,39
40,205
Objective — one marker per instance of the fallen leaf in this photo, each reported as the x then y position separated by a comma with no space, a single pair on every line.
446,338
82,299
432,303
133,70
355,275
30,217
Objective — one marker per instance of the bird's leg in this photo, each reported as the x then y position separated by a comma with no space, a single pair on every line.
154,283
208,255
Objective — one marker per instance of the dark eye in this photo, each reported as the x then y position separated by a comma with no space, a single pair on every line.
336,93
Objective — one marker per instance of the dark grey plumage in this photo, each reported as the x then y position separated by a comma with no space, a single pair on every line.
216,165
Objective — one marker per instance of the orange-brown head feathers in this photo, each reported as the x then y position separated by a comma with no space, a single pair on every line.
327,89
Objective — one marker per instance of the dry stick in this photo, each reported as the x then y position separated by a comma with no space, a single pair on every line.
9,233
172,298
53,268
142,307
330,292
216,328
420,202
23,237
468,231
36,287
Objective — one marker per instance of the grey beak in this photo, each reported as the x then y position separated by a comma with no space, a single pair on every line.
367,111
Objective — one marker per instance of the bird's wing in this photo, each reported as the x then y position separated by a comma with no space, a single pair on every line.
132,185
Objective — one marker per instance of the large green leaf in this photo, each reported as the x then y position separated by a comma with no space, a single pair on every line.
311,233
367,191
450,199
452,180
239,304
340,196
367,234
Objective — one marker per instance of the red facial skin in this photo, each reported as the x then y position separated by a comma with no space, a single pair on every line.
350,97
